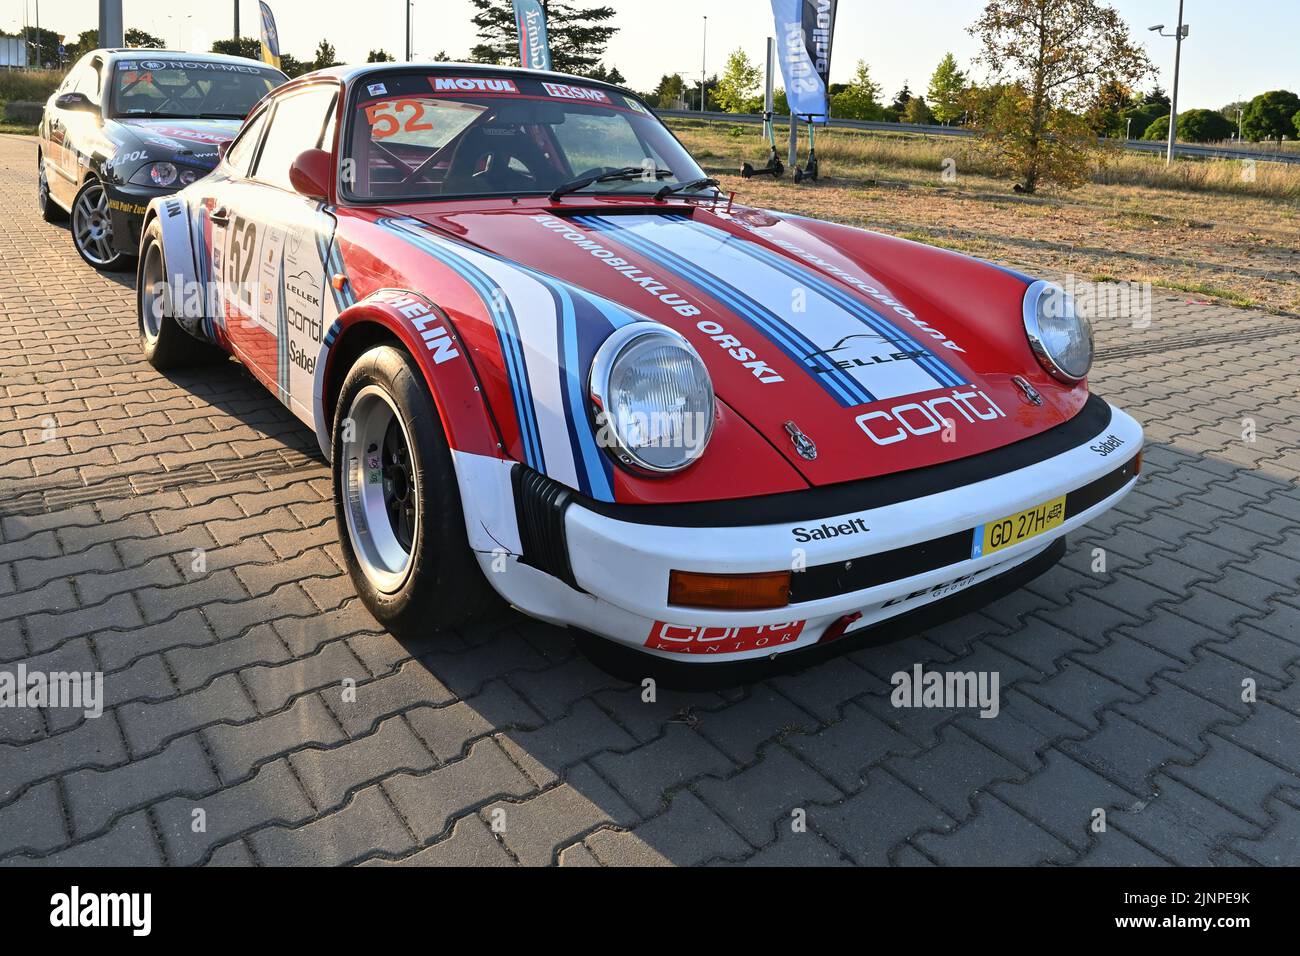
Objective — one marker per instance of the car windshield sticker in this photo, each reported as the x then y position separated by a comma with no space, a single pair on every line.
565,91
376,89
472,84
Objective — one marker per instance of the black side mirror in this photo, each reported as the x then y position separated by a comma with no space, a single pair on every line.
76,101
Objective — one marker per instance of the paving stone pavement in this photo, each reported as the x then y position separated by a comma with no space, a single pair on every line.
1123,689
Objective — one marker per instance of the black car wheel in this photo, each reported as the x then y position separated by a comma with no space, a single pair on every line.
166,345
50,210
397,502
92,228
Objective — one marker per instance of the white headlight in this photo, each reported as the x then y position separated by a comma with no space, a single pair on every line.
652,398
1060,337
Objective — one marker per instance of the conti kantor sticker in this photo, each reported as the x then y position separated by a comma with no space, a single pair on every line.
684,639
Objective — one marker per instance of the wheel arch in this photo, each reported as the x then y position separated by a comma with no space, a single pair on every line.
411,322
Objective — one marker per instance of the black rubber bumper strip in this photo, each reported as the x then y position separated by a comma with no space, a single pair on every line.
815,503
842,577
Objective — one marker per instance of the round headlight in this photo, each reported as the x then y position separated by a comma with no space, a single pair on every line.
652,398
162,174
188,176
1060,337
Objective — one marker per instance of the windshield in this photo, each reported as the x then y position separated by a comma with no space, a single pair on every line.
421,135
189,89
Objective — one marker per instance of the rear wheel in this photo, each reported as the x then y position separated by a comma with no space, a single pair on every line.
165,344
397,502
50,210
92,228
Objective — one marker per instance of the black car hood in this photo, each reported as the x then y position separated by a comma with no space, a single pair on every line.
193,142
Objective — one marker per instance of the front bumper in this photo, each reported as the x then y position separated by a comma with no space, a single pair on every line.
127,205
886,560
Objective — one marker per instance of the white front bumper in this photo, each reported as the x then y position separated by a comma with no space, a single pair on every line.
623,566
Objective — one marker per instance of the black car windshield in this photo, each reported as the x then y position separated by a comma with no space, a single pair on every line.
442,135
189,88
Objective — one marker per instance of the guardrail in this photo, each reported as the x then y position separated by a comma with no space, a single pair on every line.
1137,145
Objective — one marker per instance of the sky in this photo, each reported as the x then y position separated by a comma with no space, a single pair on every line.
1234,51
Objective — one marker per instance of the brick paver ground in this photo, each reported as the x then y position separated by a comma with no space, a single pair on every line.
1123,690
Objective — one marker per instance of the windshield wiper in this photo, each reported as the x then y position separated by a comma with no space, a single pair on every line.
680,187
627,173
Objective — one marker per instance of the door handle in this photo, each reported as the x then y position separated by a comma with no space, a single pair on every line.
221,215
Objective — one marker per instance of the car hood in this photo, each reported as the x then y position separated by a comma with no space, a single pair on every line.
194,142
851,357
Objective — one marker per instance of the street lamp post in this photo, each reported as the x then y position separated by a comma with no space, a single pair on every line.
1240,111
408,30
704,44
1179,35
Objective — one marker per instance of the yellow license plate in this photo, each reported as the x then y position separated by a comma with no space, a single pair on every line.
1021,526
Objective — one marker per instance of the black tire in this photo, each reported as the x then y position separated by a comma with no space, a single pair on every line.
442,586
91,222
50,210
165,344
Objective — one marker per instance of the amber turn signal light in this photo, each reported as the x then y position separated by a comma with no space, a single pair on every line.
737,592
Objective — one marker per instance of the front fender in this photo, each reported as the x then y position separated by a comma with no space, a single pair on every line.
428,335
173,217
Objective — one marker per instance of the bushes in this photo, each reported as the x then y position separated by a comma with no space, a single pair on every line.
1194,126
1270,116
1146,114
32,85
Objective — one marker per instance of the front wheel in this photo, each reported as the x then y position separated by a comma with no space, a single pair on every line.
92,228
397,502
164,343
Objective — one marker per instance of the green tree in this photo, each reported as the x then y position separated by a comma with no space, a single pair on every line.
1296,119
860,98
247,47
86,41
1143,116
1108,112
578,35
739,84
291,66
379,56
1203,126
918,113
667,94
143,40
1269,116
1053,57
611,75
901,99
325,56
947,90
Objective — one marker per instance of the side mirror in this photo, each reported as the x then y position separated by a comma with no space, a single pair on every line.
311,172
222,149
76,101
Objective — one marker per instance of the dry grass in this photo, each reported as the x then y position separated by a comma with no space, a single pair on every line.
1196,228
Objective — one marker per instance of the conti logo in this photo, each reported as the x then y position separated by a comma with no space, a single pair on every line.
925,418
681,639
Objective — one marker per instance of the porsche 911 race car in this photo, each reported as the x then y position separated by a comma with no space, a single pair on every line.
128,125
547,358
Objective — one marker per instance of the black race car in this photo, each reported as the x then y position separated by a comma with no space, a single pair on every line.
128,125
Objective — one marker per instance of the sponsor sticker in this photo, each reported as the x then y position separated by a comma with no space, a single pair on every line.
377,89
565,91
126,65
472,84
1106,446
683,639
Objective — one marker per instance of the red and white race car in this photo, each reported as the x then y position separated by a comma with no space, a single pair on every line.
547,358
